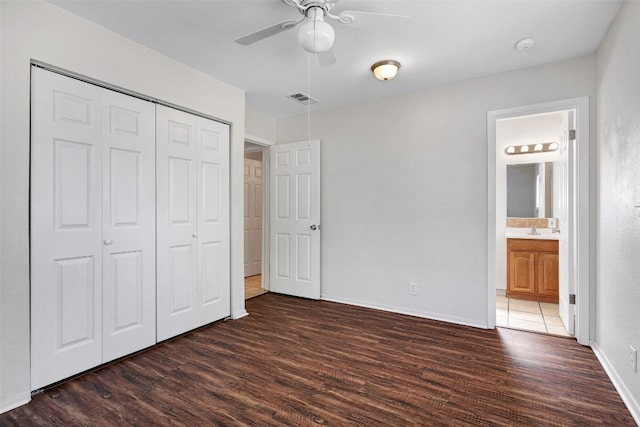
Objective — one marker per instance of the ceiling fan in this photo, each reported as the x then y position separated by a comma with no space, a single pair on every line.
315,35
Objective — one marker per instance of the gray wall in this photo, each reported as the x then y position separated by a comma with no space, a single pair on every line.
618,222
404,189
259,125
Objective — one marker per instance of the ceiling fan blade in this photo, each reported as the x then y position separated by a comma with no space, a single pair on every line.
350,16
327,58
267,32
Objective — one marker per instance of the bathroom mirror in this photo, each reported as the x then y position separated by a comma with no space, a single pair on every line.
530,190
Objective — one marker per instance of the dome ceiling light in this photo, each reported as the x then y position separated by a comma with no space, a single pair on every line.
385,70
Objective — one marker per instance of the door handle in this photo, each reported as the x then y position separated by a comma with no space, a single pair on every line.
108,242
314,227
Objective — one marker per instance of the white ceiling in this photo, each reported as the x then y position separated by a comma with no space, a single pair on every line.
444,41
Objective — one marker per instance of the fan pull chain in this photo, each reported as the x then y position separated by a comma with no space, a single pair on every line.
310,97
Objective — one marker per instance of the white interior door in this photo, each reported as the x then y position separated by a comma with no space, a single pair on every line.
92,226
567,232
176,151
193,278
295,219
252,217
213,291
66,227
129,226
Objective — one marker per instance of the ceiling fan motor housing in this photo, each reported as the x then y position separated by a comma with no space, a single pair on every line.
305,5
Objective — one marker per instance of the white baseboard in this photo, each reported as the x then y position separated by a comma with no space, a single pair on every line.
239,315
13,404
405,311
627,397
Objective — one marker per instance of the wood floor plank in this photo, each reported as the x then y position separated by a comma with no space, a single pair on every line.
306,363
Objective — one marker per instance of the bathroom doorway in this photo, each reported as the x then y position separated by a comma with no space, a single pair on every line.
528,251
255,194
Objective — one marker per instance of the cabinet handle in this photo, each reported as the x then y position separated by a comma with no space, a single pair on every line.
108,242
195,234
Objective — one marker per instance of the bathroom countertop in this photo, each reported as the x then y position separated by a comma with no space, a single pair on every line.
522,233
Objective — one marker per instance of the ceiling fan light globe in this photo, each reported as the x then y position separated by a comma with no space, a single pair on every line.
316,36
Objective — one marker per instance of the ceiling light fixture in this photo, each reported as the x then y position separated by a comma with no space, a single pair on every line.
315,35
385,70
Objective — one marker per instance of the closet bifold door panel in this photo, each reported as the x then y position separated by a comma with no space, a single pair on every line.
193,248
92,226
129,226
66,227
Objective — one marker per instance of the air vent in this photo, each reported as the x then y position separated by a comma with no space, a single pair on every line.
302,98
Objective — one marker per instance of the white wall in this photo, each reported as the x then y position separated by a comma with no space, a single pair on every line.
40,31
404,189
618,269
259,126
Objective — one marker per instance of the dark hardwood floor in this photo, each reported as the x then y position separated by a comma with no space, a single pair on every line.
303,363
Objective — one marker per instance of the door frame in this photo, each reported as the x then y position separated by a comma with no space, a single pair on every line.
266,168
584,204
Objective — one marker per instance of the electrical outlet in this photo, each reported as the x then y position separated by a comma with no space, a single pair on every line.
413,288
633,358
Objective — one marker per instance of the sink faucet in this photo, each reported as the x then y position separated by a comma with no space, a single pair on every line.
533,230
556,230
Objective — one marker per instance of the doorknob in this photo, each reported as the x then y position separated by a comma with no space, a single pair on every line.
108,242
314,227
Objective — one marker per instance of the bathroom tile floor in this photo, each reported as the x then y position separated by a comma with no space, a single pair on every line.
526,315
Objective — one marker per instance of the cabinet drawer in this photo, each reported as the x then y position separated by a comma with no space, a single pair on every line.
533,245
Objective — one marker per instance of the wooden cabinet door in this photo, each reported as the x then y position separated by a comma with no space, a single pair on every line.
547,278
522,272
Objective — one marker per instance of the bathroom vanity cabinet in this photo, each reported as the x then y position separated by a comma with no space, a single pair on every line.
532,269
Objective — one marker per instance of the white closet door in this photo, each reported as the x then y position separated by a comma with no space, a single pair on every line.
193,278
129,227
214,290
177,223
66,227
